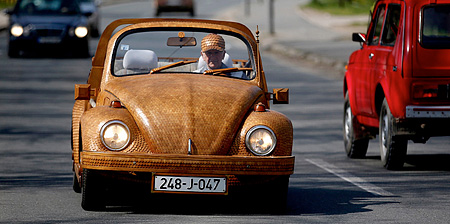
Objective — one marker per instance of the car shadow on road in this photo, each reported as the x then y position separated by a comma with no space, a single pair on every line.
423,162
321,201
317,201
428,162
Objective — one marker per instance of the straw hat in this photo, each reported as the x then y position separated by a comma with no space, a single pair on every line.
213,41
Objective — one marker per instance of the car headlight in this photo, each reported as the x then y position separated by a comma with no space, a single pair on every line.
260,140
16,30
115,135
81,31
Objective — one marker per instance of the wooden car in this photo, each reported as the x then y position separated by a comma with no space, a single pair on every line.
156,112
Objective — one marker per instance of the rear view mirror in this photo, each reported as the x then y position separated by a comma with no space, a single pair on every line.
281,96
8,11
181,41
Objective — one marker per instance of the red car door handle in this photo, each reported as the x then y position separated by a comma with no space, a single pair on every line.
371,55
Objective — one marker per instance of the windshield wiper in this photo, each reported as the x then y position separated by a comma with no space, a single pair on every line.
176,64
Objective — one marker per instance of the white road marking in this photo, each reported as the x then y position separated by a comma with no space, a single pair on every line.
359,182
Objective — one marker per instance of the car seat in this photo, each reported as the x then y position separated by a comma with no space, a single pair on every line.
226,60
139,61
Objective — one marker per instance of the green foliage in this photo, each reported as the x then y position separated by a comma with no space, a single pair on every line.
342,7
7,3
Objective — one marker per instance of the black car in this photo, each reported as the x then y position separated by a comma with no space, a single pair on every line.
41,26
92,7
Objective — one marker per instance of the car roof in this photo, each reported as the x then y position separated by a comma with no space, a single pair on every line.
418,2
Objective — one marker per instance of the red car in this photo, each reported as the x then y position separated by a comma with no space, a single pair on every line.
398,84
174,6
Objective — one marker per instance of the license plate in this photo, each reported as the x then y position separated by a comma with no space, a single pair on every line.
49,40
190,184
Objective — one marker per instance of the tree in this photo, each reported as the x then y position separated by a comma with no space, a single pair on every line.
342,2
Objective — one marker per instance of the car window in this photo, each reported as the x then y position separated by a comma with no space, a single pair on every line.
391,25
45,7
138,53
375,33
436,26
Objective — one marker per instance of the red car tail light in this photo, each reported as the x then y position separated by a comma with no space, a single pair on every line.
426,91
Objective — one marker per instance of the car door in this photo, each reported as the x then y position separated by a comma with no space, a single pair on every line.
369,57
388,64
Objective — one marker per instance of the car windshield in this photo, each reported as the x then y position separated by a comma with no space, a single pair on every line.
180,51
47,7
436,27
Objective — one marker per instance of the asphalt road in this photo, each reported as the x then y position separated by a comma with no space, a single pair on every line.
36,98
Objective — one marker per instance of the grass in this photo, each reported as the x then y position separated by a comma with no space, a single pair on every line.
356,7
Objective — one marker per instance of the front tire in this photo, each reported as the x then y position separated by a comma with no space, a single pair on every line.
275,196
92,191
13,51
76,185
355,147
280,195
392,147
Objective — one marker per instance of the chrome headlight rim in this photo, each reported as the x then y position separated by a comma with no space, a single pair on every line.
249,134
108,124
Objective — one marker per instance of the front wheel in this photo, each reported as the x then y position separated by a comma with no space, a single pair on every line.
92,191
277,199
354,147
76,185
13,51
392,147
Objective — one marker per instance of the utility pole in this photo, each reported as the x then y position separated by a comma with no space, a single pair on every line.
247,8
271,17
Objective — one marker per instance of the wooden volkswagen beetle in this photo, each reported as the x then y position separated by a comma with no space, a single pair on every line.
153,112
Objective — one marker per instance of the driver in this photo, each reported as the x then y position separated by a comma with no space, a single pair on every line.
213,53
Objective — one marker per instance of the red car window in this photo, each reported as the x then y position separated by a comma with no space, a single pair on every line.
435,28
375,33
391,26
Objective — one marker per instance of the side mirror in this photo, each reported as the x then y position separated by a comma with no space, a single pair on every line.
8,11
359,37
82,91
281,96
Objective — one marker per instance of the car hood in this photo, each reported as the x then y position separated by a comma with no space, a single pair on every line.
170,109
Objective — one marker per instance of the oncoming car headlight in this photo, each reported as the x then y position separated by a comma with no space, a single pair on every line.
81,31
260,140
16,30
115,135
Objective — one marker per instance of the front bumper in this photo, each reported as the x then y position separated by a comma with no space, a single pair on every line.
188,164
35,45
